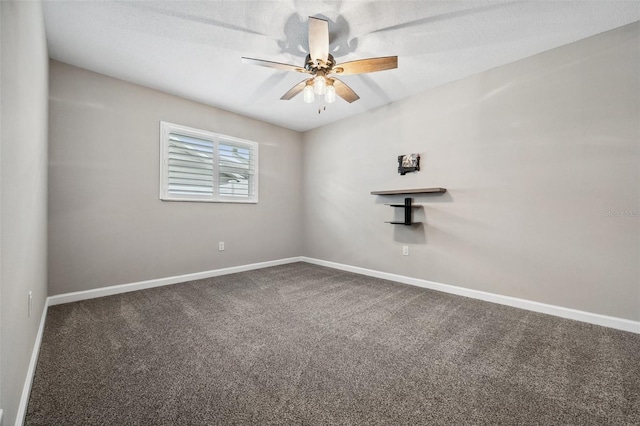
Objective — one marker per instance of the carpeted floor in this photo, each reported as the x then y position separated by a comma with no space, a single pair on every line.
303,344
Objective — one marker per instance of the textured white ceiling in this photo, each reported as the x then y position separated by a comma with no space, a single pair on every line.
193,48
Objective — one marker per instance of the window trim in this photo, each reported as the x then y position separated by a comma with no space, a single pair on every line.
166,128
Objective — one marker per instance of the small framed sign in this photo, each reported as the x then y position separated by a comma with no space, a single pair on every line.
408,163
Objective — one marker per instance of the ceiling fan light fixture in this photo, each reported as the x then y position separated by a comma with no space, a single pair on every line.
308,95
319,85
330,96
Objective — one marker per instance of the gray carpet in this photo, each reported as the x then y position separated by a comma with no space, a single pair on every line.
303,344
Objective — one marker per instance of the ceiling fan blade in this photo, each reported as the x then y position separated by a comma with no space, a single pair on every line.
367,65
294,90
318,39
344,91
270,64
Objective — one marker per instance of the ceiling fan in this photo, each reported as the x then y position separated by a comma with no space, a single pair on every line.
322,67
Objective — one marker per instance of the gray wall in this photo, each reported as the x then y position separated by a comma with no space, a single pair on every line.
534,155
23,193
107,224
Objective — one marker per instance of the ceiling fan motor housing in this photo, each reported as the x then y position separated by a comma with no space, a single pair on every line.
315,65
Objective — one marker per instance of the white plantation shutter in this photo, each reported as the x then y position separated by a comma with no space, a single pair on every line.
197,165
190,165
236,169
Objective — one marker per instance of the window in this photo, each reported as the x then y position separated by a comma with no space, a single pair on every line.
196,165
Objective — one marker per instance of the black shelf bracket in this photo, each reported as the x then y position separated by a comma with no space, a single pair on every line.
407,211
407,206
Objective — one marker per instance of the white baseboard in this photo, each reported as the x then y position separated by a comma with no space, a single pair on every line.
141,285
559,311
26,389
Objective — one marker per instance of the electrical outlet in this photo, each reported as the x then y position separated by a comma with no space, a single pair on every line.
405,250
221,246
29,304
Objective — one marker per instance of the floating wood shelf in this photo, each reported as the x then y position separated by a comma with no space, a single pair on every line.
411,191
